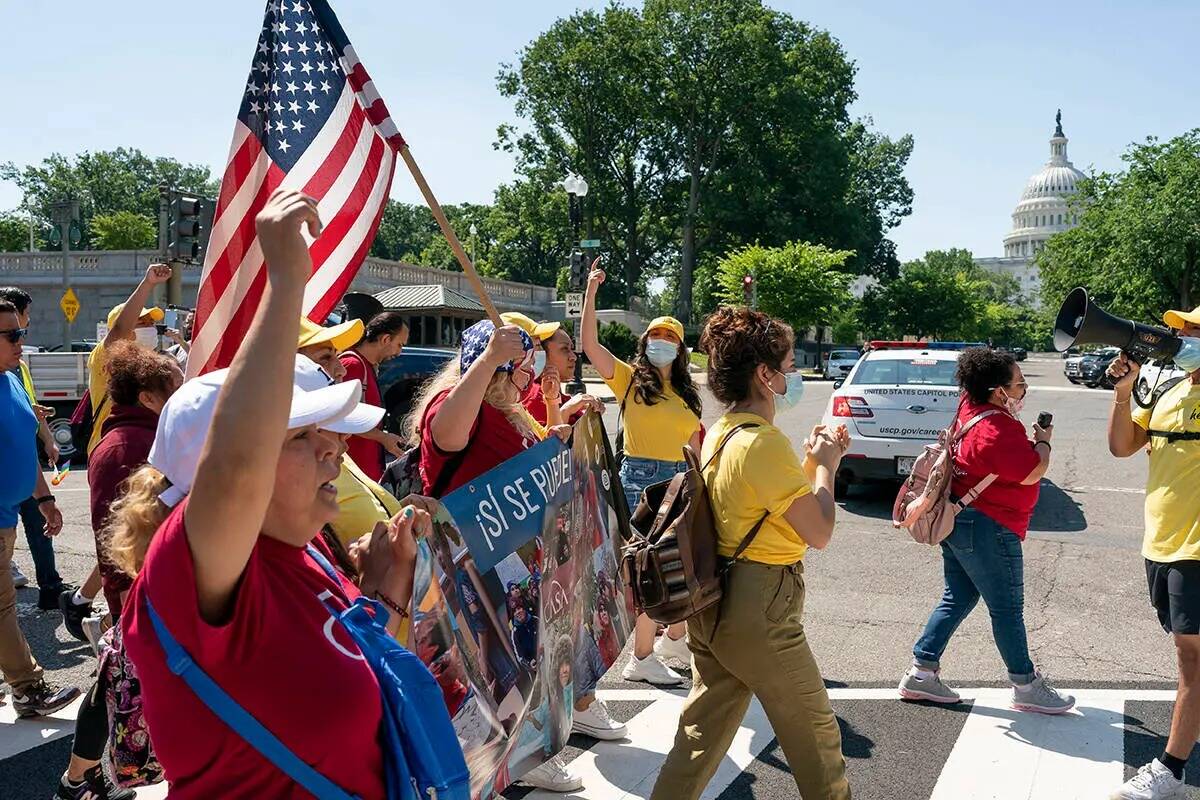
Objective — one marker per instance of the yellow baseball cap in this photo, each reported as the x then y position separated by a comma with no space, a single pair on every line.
155,314
1177,319
342,337
536,330
667,324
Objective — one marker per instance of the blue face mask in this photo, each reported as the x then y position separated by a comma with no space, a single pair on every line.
660,352
792,394
539,362
1188,357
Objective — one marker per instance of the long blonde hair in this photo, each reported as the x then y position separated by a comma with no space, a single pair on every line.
501,394
134,518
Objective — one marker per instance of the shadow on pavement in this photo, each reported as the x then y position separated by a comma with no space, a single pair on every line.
1057,511
873,500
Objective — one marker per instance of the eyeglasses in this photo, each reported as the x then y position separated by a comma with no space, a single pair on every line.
15,335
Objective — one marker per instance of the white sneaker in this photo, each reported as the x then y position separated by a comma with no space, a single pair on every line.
665,647
1152,782
18,578
553,776
594,721
650,670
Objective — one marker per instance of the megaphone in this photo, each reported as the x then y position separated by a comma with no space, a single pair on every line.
361,306
1080,321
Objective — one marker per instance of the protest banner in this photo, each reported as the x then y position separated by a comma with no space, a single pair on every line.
518,604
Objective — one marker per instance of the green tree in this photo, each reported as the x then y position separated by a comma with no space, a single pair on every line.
531,232
123,230
801,283
405,230
14,232
618,338
941,296
1137,245
105,182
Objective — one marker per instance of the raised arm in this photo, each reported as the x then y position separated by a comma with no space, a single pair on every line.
127,320
451,425
601,358
235,477
1125,437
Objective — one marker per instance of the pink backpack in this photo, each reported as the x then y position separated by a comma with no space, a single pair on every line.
924,505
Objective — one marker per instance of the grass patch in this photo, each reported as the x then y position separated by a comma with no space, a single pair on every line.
699,359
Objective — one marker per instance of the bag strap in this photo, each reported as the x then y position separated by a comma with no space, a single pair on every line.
448,471
226,709
621,410
1176,436
962,430
976,490
322,562
725,441
749,537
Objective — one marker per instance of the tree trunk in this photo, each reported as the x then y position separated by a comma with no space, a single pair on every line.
687,262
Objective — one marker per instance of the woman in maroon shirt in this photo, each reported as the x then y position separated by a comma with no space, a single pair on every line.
982,555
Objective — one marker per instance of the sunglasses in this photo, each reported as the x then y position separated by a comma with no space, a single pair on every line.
15,335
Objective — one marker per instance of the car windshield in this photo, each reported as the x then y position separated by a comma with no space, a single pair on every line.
892,371
843,355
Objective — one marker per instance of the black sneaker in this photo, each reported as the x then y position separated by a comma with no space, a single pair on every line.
96,785
74,614
48,596
43,698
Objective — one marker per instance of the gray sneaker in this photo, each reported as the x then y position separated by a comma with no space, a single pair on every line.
913,686
1041,697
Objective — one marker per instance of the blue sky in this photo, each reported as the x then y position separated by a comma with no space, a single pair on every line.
976,84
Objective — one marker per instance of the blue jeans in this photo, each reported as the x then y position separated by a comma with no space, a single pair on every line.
41,546
638,473
980,558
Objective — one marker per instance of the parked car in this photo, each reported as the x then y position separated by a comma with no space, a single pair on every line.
1092,367
1155,375
1071,369
896,400
1019,353
77,346
400,379
839,363
60,378
1070,352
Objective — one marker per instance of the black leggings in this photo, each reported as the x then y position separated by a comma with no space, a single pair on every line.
91,726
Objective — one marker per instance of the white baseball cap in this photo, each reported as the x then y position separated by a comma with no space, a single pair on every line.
310,377
186,418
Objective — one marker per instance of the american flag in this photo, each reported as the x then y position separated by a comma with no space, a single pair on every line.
310,119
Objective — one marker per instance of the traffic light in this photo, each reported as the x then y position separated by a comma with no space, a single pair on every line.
748,287
577,275
189,223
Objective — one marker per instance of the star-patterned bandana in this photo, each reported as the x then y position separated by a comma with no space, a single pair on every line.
475,341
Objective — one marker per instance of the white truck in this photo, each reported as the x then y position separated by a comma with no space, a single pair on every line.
59,380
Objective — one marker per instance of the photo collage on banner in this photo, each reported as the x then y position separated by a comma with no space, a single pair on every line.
519,604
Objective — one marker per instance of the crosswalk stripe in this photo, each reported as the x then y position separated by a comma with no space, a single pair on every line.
1004,753
25,734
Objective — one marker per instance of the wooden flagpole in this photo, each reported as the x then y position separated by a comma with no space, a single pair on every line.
448,232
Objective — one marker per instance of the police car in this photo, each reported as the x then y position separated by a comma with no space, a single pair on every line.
895,400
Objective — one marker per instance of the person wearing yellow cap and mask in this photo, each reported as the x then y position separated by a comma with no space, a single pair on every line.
129,320
554,362
1170,430
660,408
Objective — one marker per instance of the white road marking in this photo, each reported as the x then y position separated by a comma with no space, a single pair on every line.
1080,389
1120,489
19,735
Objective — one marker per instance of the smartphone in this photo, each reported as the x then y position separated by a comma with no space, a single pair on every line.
170,319
1045,420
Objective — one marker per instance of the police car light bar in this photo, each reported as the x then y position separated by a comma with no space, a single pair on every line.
885,345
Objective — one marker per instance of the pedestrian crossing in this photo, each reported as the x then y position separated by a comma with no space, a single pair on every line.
980,749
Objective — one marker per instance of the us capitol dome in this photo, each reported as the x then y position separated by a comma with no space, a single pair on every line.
1044,210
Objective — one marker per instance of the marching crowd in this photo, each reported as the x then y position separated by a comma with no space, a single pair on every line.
237,514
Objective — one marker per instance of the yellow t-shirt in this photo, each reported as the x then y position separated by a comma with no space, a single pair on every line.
27,382
1172,500
361,503
98,389
659,431
756,473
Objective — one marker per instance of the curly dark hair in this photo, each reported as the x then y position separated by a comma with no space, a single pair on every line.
133,369
648,385
738,339
981,370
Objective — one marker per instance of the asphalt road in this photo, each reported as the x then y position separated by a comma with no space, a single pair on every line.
868,595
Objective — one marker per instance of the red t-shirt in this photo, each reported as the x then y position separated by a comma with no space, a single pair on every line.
997,444
368,455
535,404
280,656
493,440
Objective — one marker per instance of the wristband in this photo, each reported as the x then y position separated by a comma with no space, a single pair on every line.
1042,441
48,498
1124,402
392,604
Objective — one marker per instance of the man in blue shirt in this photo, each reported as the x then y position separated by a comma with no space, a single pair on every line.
20,477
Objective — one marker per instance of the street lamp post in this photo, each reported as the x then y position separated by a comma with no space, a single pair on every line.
473,231
577,188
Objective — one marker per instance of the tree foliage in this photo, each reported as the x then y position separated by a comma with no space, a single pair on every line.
803,284
123,230
105,182
1137,245
14,232
702,125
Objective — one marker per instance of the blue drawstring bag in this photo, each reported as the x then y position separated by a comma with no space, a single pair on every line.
423,756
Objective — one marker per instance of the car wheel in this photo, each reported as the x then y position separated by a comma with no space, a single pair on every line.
1091,384
1143,388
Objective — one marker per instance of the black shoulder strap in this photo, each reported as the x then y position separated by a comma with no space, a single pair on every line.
749,537
1176,436
725,441
447,472
621,410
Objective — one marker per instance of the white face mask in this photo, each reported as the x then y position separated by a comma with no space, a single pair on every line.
793,390
539,363
1014,405
660,352
146,337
